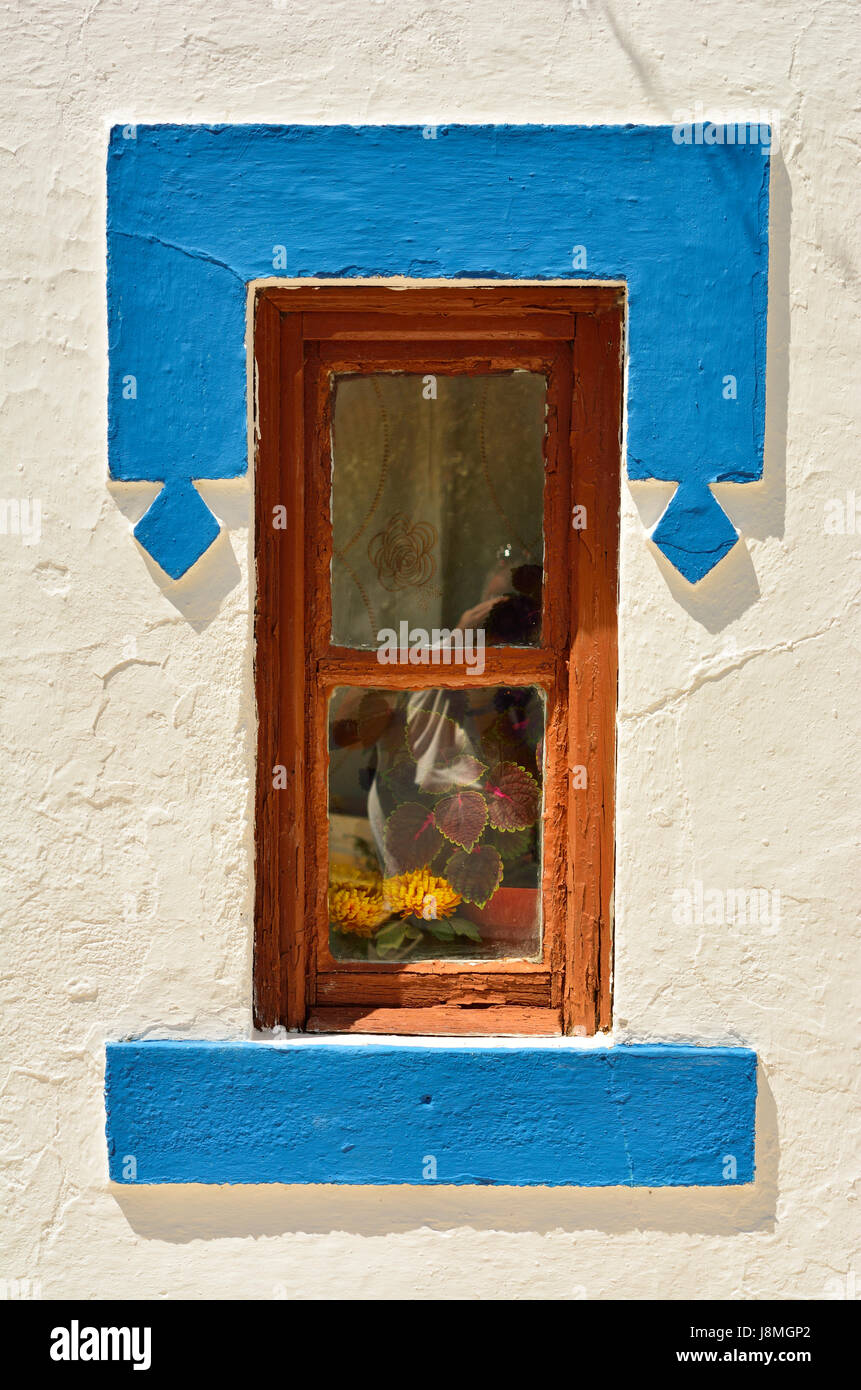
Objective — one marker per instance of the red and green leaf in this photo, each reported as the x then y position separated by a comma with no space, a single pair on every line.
372,717
461,817
513,797
512,844
412,838
402,778
442,751
498,743
461,771
475,874
431,732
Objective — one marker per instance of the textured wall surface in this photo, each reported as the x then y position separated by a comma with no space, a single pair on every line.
127,717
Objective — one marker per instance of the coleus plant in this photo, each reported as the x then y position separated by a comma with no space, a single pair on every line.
456,814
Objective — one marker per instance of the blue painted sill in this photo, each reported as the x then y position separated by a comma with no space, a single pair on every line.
376,1113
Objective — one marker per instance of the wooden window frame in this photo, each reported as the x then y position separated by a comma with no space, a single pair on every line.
301,335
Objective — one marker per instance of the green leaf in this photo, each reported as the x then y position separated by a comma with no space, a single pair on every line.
461,927
391,936
413,931
441,930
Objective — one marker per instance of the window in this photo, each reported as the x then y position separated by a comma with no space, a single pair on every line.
437,498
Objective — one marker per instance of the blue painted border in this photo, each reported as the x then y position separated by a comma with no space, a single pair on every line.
374,1114
195,212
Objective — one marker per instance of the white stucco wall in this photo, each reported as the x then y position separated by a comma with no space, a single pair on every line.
126,700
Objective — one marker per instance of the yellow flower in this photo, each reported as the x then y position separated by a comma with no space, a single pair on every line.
420,894
357,909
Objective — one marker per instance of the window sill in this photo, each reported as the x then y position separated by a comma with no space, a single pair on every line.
482,1112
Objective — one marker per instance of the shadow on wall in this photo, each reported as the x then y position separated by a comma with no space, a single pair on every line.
184,1212
200,593
758,509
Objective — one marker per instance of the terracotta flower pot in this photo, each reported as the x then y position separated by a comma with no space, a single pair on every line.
511,915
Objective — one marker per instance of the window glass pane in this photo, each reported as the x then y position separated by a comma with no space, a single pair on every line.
435,802
437,505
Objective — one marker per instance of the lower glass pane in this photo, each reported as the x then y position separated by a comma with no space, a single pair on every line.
435,804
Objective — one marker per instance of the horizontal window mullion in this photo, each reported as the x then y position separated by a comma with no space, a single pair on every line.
345,667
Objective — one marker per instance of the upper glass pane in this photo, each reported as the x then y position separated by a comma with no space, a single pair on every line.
437,505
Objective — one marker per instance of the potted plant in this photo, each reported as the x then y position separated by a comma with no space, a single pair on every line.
459,846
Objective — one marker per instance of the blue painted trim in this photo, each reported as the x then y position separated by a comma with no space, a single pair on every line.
374,1113
195,212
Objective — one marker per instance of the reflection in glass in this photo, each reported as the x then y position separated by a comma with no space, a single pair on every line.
437,505
435,801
